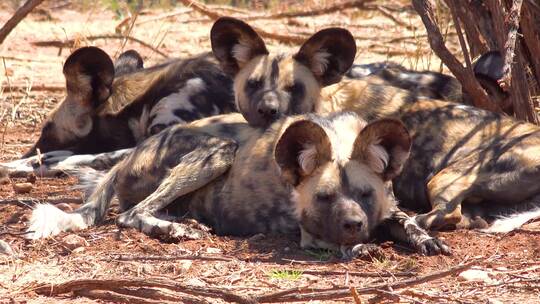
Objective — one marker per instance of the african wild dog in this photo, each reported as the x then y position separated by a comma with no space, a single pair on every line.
460,154
487,70
113,106
325,175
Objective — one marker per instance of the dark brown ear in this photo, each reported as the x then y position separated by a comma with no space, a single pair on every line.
235,43
89,73
128,62
384,145
328,54
303,147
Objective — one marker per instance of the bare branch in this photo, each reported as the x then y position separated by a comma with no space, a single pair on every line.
19,15
436,41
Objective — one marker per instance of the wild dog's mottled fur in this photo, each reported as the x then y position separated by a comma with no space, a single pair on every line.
326,175
105,112
460,154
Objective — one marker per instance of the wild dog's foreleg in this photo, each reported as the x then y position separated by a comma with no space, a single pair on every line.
446,191
196,169
403,228
55,163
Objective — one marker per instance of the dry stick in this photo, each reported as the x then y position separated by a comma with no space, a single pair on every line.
510,44
19,15
476,44
112,284
112,296
389,15
168,258
70,42
467,79
360,274
151,293
313,12
165,16
453,11
297,295
203,9
38,87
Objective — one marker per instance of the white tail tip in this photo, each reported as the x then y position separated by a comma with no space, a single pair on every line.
47,220
512,222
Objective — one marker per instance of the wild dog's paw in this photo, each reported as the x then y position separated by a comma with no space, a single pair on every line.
433,246
363,251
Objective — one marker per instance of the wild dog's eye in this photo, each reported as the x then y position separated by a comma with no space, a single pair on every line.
325,197
296,90
253,84
363,194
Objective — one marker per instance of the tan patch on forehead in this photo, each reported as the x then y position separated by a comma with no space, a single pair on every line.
324,178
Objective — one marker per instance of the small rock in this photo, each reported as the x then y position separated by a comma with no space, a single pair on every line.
287,249
493,301
196,282
5,248
74,241
185,265
31,178
475,275
213,250
79,250
22,187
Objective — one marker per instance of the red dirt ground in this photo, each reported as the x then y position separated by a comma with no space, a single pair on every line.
249,266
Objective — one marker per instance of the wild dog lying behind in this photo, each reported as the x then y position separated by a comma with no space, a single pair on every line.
460,154
110,106
326,175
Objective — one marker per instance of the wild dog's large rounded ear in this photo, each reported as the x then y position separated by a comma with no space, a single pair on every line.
235,43
303,146
89,73
384,145
328,54
128,62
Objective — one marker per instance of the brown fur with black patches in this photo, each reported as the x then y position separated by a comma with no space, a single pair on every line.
325,175
103,113
460,155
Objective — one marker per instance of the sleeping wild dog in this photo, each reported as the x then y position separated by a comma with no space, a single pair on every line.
326,175
467,165
111,107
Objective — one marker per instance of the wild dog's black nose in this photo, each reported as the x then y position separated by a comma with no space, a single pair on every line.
268,109
353,225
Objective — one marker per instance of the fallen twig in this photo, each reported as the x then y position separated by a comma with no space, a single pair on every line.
203,9
168,258
360,273
70,42
165,16
114,284
341,292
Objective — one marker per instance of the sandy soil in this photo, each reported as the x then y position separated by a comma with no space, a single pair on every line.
247,266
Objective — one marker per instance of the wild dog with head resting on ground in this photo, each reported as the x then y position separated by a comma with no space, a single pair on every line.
110,106
468,165
325,175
